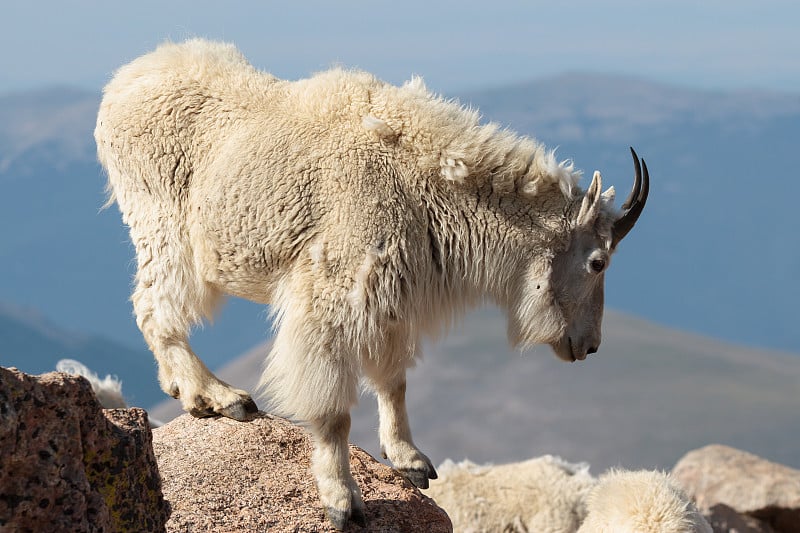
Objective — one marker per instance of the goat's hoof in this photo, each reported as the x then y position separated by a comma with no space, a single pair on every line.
420,476
339,518
417,476
240,410
201,408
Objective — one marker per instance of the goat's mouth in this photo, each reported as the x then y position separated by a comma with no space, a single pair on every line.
565,350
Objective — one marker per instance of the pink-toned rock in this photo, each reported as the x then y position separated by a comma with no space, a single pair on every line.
68,465
720,479
223,475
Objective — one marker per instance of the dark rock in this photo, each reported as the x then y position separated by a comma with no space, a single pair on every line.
724,519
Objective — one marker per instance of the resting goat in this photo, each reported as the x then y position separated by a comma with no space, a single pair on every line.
366,214
549,495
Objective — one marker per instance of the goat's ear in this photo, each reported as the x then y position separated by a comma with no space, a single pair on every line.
590,206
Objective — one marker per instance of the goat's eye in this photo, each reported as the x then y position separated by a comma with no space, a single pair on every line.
597,265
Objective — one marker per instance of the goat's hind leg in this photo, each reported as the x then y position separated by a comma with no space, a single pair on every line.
168,299
331,465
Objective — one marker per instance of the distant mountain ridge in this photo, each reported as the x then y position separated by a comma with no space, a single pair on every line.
624,102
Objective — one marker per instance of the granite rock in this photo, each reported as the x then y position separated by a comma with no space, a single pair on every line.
68,465
223,475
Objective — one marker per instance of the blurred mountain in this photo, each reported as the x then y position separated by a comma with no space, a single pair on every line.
648,396
712,254
33,344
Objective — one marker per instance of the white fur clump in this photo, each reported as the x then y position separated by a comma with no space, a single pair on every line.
550,495
378,126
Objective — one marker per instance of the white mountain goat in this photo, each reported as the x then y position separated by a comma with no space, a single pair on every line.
365,214
549,495
644,500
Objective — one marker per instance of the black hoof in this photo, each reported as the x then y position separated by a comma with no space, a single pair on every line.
240,410
418,477
339,518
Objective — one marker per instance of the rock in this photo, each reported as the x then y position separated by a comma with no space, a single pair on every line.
720,479
68,465
223,475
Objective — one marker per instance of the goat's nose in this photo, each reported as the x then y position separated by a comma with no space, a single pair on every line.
592,349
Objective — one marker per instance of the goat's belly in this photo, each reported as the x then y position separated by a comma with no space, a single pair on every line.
244,262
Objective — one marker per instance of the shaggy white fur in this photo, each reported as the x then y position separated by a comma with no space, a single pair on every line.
549,495
641,502
365,214
108,390
545,495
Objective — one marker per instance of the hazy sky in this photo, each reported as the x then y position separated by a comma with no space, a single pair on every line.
455,45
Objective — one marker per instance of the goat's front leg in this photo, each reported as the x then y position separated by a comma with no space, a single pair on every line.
395,434
163,302
338,490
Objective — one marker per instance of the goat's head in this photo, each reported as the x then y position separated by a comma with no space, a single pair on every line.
560,301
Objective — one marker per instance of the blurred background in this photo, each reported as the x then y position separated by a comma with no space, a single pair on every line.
701,338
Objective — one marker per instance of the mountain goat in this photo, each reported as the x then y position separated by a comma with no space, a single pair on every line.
549,495
366,214
643,500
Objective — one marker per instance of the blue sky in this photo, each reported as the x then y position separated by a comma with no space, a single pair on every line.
455,45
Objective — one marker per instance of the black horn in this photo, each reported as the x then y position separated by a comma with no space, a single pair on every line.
634,204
